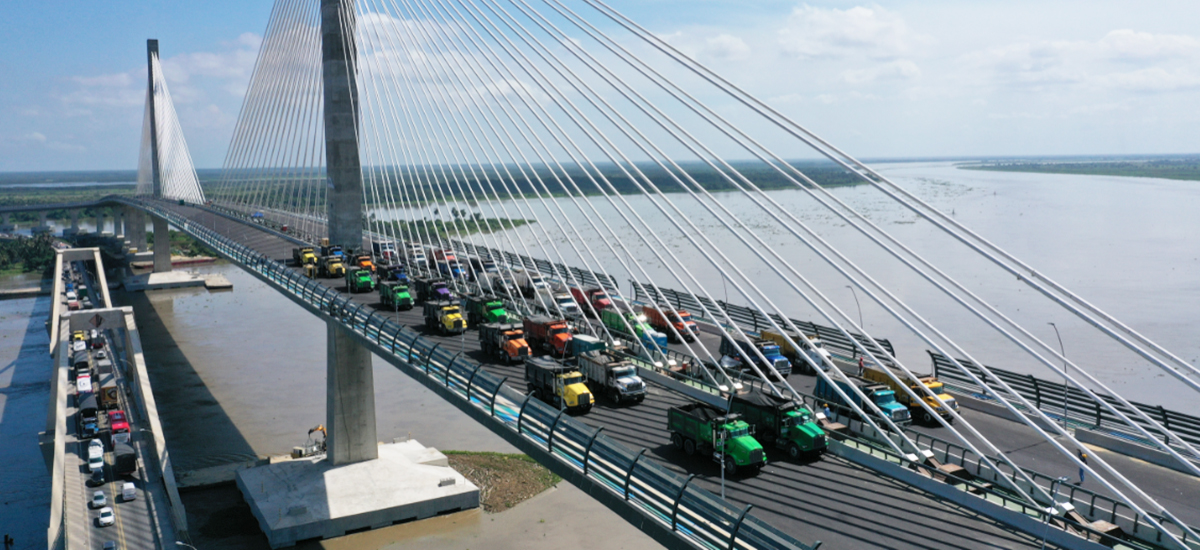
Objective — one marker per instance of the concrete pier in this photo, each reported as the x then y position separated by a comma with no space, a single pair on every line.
135,228
162,245
349,399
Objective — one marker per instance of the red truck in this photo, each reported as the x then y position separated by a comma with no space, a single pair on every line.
662,318
548,333
597,297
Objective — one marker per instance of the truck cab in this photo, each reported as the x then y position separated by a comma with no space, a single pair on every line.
304,256
784,422
596,297
548,333
395,295
332,267
566,304
445,317
394,272
724,437
432,289
485,309
663,318
810,346
731,357
385,251
651,339
558,385
883,397
915,409
359,280
613,375
450,268
504,340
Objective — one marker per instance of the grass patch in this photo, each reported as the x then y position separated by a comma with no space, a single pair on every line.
504,480
1176,169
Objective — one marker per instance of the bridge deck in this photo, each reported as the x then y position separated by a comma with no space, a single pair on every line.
830,499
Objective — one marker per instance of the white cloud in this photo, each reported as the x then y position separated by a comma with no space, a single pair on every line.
726,46
1142,46
900,69
34,136
872,32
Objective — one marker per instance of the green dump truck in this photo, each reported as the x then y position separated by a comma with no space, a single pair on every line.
724,437
484,309
784,422
395,295
359,280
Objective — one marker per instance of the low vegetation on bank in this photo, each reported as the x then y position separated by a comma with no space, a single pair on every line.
27,255
183,244
1176,169
504,480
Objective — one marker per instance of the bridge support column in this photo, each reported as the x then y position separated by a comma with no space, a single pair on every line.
135,228
119,224
162,245
350,399
75,220
99,223
43,226
7,226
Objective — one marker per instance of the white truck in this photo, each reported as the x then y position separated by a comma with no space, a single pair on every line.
612,376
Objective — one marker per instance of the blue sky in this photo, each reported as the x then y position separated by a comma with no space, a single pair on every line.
885,79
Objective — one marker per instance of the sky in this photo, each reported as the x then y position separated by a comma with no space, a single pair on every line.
888,79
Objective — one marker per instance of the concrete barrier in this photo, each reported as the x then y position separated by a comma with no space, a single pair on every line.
1131,448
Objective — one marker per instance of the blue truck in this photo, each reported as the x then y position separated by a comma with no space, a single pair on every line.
769,350
881,395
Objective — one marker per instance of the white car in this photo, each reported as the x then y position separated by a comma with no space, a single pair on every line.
96,463
106,517
95,447
128,492
71,296
99,500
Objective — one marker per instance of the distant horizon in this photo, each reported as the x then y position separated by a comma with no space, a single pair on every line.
4,175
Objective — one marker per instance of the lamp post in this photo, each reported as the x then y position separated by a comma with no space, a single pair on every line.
1063,352
1053,507
860,318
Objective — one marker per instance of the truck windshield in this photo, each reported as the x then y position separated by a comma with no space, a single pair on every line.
740,431
558,330
575,378
622,372
885,398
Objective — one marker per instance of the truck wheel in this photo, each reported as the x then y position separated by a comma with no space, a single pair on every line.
730,466
677,440
689,447
793,451
925,416
614,395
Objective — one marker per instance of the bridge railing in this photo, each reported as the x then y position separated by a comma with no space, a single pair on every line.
693,514
1050,397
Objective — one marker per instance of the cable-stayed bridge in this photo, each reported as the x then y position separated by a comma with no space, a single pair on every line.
483,142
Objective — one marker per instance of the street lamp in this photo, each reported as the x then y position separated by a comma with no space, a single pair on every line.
860,318
1063,352
1053,506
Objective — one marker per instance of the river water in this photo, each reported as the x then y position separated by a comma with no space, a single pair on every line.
25,367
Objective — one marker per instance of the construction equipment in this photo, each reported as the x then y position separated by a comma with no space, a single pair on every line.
557,385
724,437
445,317
505,341
304,256
358,279
783,422
395,295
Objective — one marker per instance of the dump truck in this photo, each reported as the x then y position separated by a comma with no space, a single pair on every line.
879,394
364,261
328,250
445,317
812,347
915,409
385,251
359,279
558,385
393,272
506,341
304,256
548,333
725,437
484,309
583,343
451,269
729,351
567,305
431,288
616,320
596,297
415,254
663,318
532,283
331,267
395,295
783,422
612,375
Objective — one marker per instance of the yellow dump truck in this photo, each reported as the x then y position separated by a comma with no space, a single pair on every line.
935,386
332,267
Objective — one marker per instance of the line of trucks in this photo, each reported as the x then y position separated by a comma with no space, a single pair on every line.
890,396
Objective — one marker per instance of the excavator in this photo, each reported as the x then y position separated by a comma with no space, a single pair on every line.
313,446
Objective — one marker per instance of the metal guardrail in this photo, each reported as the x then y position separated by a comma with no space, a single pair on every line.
753,320
1050,397
694,515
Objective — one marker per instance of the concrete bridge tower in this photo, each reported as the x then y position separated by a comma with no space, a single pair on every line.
350,401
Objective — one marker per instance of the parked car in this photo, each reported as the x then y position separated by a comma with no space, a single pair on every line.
106,517
99,500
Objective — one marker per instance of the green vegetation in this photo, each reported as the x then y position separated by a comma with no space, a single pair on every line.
464,223
1186,168
183,244
27,255
20,196
504,480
